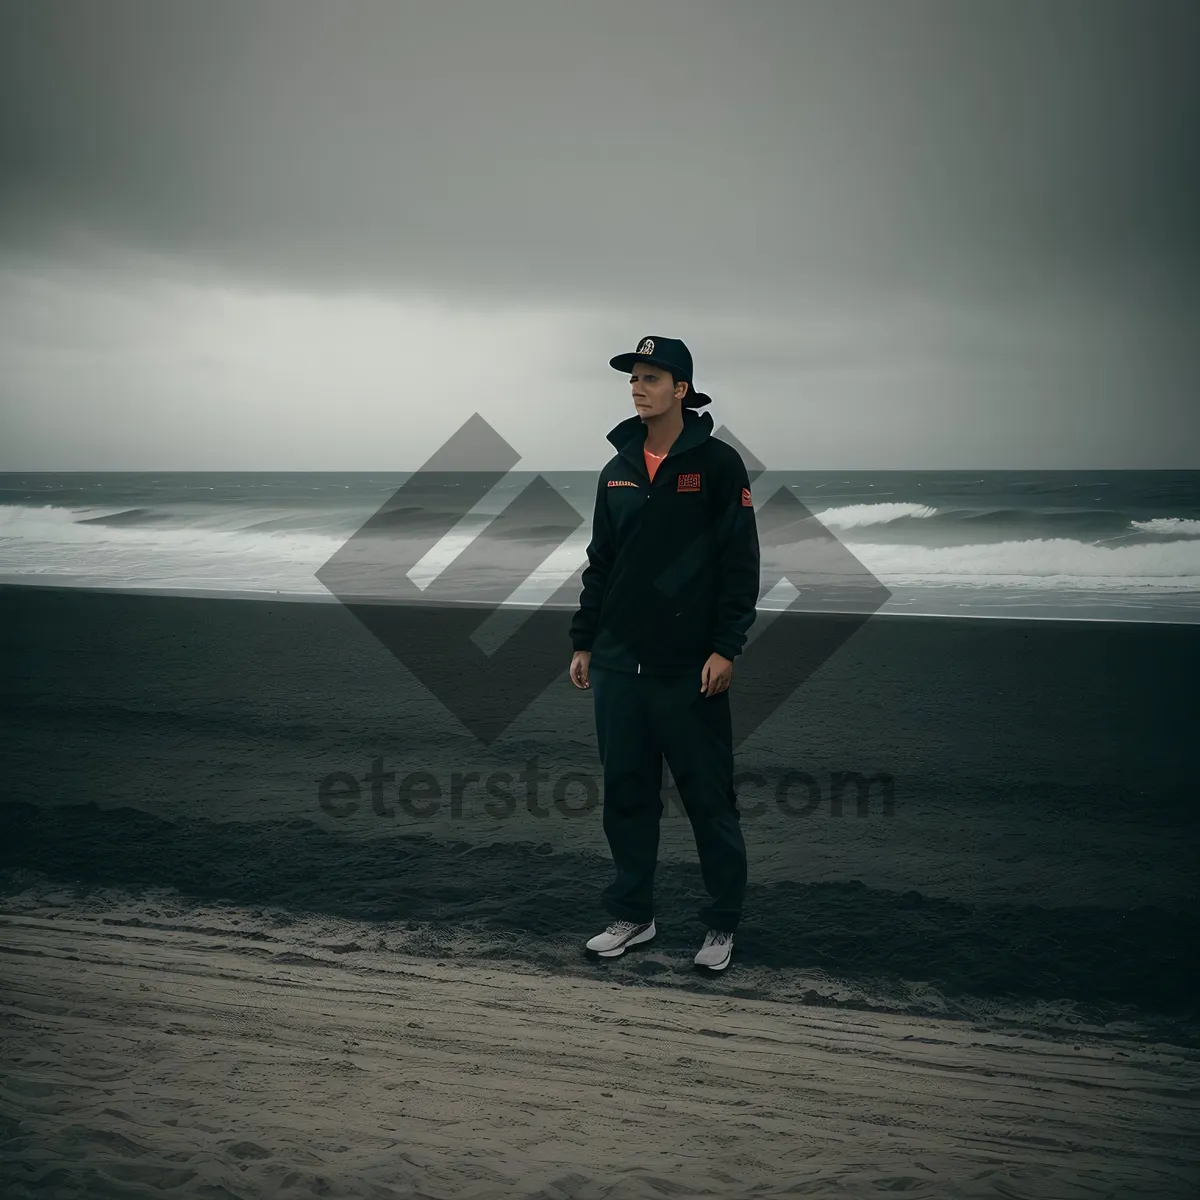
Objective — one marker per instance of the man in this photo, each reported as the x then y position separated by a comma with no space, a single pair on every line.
667,601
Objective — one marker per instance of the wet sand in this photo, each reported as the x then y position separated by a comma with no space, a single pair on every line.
214,985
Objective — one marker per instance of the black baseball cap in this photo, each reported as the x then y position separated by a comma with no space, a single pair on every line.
670,353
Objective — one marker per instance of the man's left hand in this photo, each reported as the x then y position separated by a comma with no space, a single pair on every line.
717,673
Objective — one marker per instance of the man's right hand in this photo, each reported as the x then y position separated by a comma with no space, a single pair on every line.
580,661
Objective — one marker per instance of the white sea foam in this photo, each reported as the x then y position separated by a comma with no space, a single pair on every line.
1042,563
854,516
48,542
1184,526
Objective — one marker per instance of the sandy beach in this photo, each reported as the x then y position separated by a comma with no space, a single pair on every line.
156,1047
212,986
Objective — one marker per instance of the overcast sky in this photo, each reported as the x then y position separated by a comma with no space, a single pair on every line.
895,234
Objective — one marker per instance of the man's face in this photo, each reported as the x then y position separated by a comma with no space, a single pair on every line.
653,391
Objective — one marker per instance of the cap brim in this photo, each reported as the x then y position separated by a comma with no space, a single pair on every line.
624,362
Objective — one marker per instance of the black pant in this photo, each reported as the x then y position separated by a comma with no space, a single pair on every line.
639,720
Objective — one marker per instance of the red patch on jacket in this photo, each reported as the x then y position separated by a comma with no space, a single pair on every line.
746,501
689,481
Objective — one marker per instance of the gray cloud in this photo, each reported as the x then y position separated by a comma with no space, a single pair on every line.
939,189
742,153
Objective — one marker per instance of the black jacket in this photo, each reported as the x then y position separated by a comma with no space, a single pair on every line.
673,565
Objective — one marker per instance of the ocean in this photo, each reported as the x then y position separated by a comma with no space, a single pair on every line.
187,707
1106,545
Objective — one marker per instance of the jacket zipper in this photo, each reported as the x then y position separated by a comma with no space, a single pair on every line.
649,488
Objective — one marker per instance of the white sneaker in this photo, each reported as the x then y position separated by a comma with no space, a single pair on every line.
619,936
716,951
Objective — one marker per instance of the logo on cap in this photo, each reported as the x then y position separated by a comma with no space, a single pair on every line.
647,346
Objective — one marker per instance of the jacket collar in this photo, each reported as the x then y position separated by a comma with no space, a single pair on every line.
629,437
